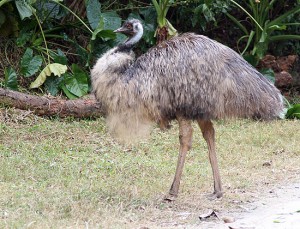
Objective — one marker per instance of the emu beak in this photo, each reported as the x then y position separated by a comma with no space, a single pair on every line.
120,30
124,30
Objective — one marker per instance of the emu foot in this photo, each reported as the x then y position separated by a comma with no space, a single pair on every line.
170,198
215,195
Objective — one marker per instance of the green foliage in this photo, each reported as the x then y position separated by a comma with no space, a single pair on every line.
10,79
30,64
108,22
24,8
44,25
8,23
268,73
59,57
149,23
262,30
55,68
41,32
293,111
162,7
201,16
60,42
76,84
207,11
93,7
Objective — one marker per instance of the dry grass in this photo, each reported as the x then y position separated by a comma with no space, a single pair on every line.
72,174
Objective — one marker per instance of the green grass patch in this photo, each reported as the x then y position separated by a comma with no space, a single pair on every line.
71,173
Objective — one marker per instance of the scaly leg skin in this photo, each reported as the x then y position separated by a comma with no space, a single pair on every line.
185,139
208,133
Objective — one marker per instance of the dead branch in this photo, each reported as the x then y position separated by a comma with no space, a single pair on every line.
46,106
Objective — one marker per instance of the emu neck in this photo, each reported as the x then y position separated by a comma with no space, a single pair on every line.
135,38
131,41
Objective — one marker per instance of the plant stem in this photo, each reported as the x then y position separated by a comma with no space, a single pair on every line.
2,2
284,37
253,19
43,35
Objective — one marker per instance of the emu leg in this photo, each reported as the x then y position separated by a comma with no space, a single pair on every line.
208,133
185,139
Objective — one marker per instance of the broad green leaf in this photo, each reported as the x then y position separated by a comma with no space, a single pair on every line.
10,79
251,59
93,12
30,64
23,38
268,73
83,54
24,8
52,84
77,84
37,42
99,28
68,93
56,69
293,112
111,20
107,35
108,22
60,57
48,9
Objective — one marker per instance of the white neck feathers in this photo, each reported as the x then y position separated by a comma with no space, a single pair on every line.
137,36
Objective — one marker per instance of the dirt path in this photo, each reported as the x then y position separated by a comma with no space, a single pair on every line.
280,210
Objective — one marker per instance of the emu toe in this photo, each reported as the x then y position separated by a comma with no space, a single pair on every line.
215,195
170,198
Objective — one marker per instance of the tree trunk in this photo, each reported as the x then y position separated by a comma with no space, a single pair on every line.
162,34
46,106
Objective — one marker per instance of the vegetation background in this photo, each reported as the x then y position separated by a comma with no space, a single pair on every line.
69,173
49,46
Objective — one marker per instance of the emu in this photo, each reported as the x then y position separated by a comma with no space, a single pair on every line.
189,77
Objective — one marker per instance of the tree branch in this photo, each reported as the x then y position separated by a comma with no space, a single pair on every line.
46,106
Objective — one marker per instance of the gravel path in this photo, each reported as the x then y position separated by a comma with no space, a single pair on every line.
281,210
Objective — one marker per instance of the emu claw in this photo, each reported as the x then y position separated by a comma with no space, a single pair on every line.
215,195
169,198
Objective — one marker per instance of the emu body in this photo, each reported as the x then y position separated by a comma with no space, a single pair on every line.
189,77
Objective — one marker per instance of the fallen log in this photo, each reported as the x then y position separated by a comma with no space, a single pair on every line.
48,106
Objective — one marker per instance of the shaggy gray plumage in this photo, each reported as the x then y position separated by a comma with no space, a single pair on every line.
190,75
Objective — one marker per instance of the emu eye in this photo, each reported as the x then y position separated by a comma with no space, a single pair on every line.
128,26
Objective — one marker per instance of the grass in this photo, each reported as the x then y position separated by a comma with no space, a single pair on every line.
72,174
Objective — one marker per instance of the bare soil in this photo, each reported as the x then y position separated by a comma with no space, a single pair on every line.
279,208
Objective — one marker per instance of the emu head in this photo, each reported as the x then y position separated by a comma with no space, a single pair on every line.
133,29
